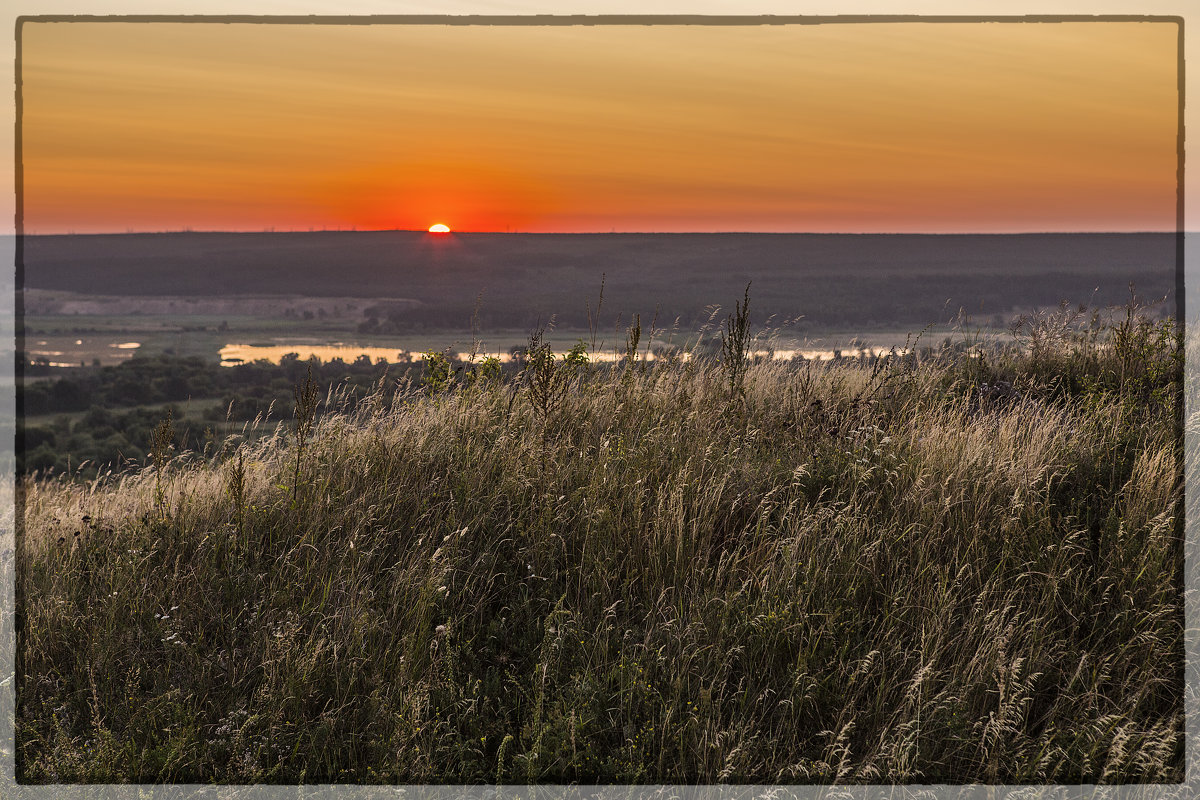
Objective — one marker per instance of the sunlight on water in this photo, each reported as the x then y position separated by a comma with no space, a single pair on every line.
72,351
233,354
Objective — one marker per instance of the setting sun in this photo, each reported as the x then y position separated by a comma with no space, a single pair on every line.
439,228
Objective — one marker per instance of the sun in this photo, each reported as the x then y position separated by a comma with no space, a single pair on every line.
439,228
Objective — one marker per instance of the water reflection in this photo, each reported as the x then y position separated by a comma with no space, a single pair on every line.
73,351
233,354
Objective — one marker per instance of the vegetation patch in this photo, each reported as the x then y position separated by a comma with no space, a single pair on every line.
938,568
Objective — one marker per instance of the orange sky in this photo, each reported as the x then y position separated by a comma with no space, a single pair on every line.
835,127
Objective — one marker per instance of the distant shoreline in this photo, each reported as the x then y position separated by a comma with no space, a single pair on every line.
596,233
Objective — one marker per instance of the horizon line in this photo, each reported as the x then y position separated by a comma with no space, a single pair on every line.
273,230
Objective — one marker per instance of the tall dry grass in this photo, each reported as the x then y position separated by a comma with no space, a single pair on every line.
939,570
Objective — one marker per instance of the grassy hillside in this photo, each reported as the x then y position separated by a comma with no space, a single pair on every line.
949,570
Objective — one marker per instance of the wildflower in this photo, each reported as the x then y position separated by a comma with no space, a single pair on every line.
439,630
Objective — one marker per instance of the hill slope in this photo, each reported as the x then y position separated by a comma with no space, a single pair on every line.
961,570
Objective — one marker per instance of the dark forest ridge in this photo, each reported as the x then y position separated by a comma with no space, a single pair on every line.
830,279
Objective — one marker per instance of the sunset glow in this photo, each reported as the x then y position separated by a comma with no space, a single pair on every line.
830,127
439,228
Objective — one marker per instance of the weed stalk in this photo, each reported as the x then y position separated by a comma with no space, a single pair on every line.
305,395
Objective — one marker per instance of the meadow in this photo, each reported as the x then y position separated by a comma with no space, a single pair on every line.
939,567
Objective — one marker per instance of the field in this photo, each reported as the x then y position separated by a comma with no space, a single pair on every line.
936,569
